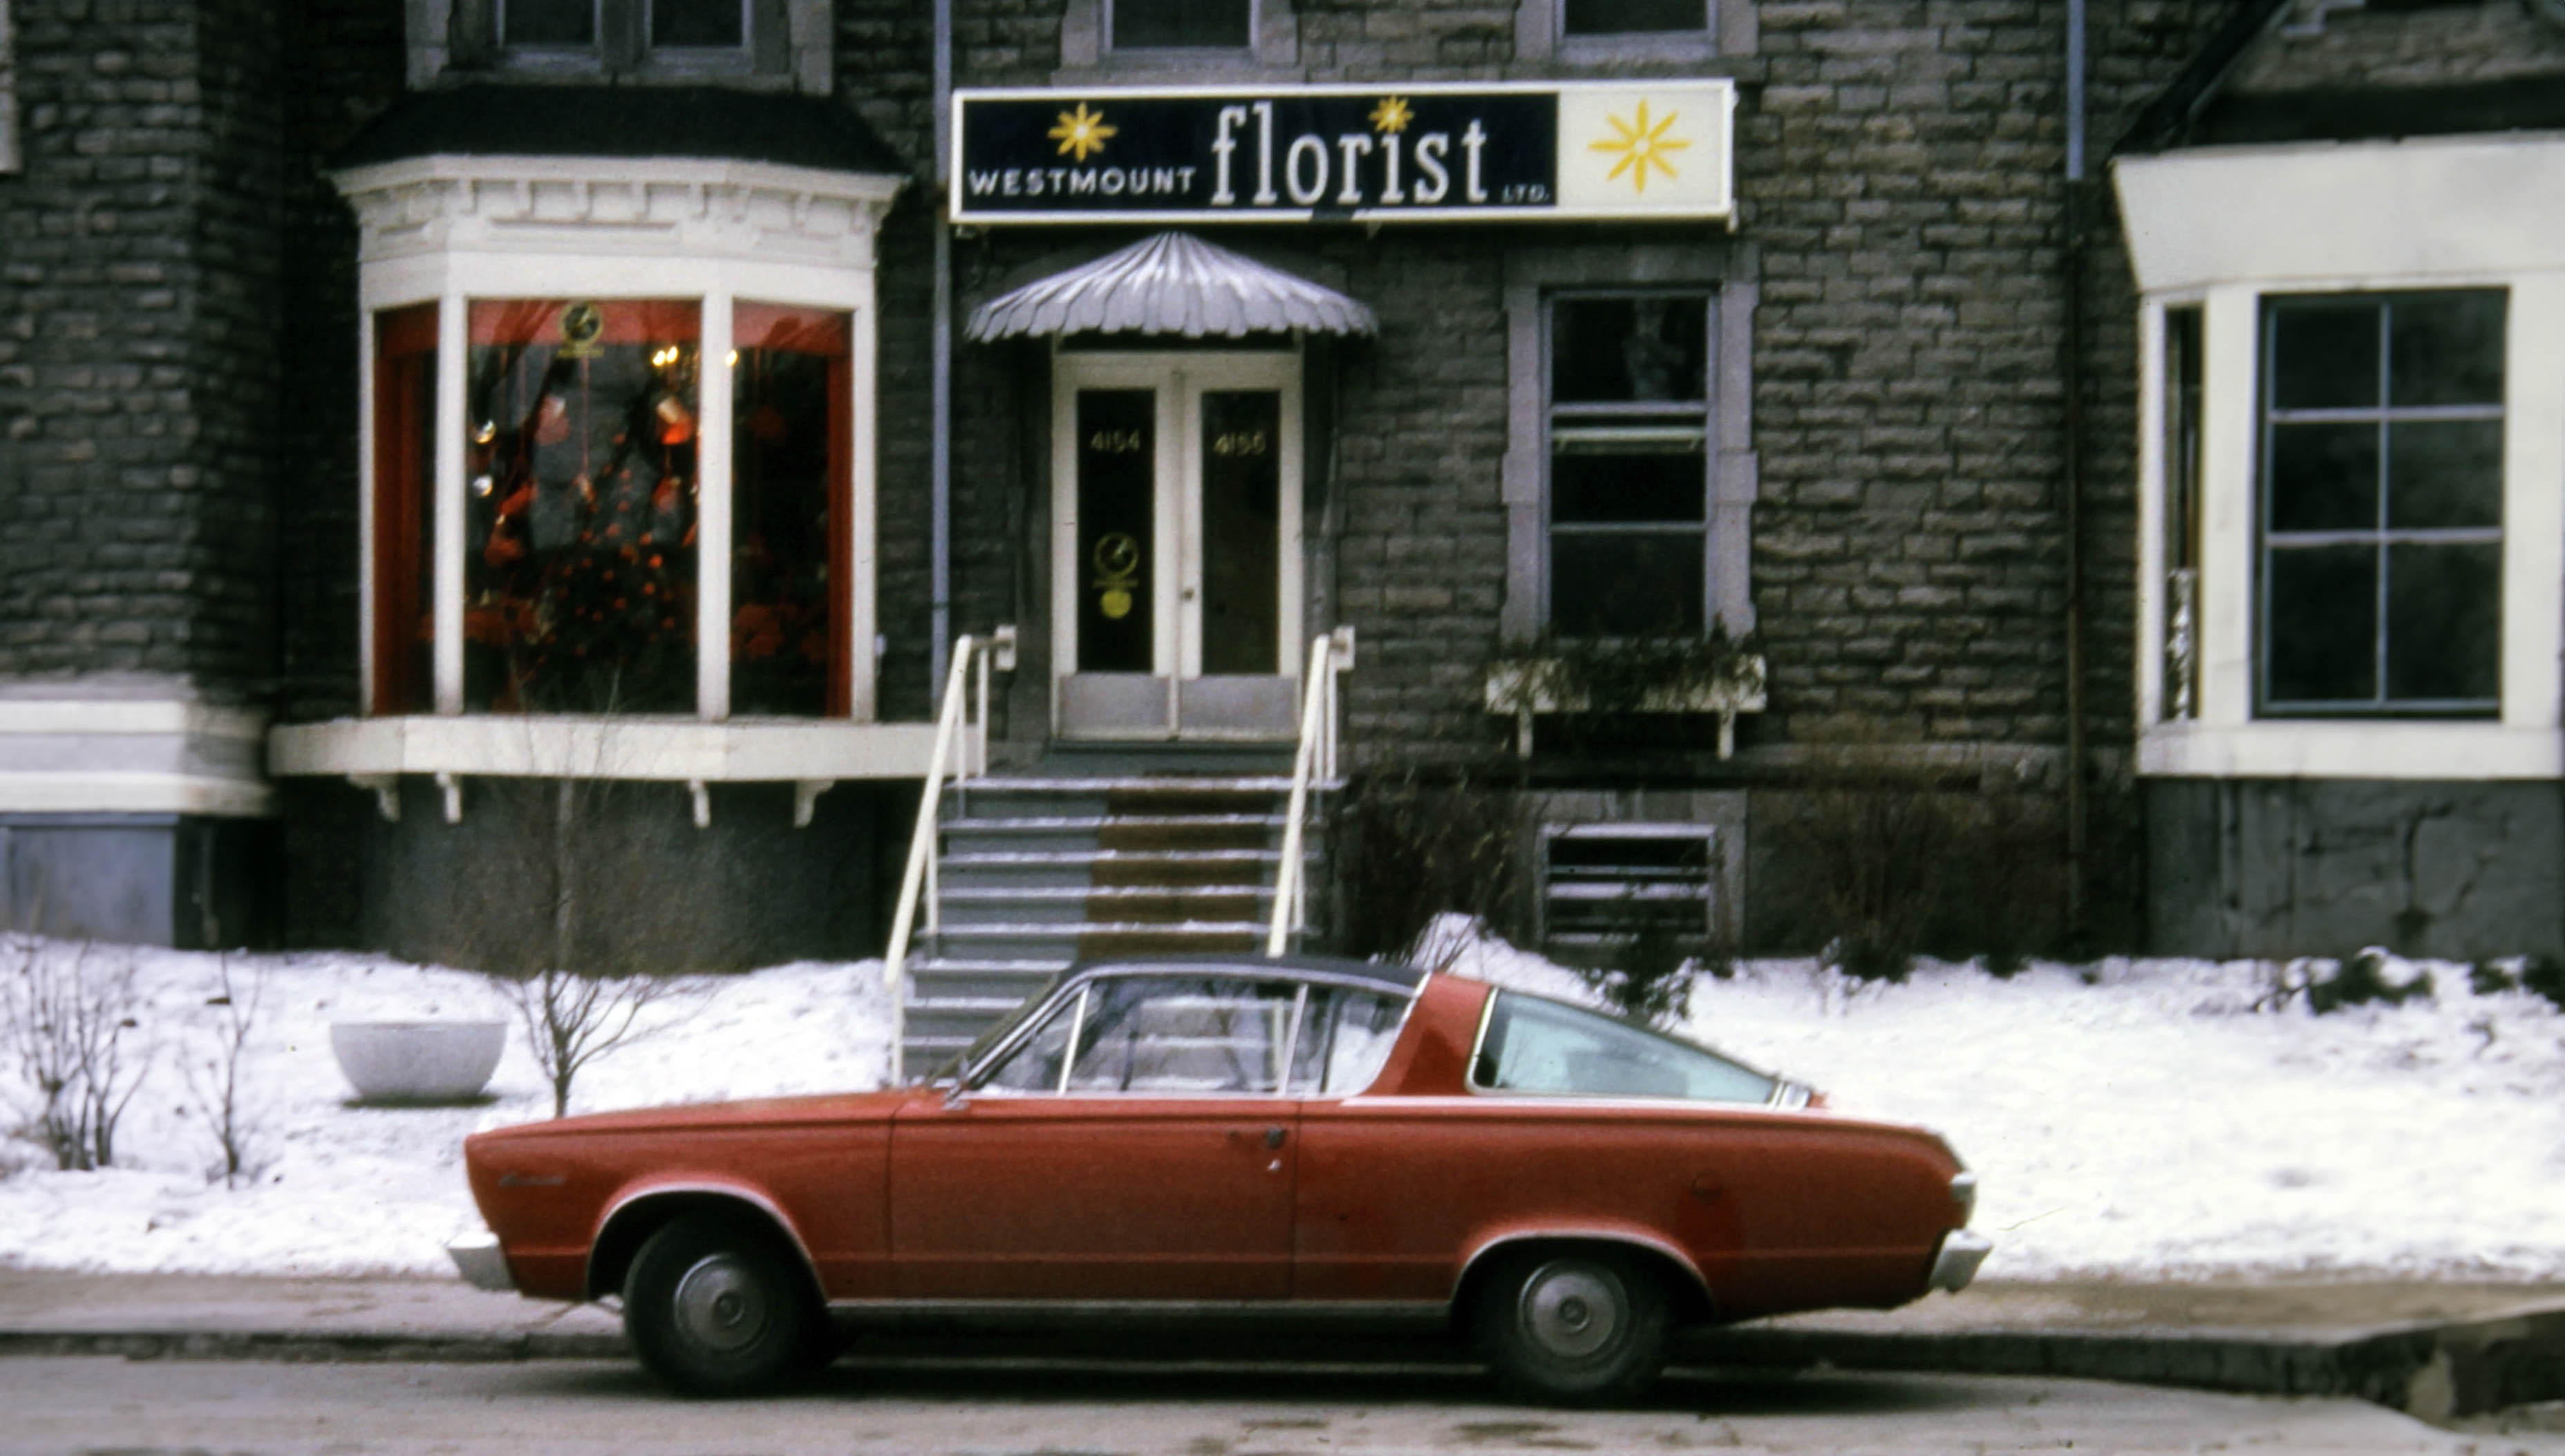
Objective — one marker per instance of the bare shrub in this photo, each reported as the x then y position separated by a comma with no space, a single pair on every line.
65,1020
1417,843
1884,869
214,1081
1648,975
571,1020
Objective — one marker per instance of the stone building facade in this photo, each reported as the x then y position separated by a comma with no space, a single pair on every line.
1889,425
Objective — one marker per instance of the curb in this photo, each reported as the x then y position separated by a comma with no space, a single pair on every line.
304,1347
2430,1370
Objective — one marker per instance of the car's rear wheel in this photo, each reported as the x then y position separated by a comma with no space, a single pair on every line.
1572,1326
715,1306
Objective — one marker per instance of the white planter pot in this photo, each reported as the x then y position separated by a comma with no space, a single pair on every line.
419,1061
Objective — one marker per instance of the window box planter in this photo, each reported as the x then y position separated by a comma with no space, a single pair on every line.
1714,678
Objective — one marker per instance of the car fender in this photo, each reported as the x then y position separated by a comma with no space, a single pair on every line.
1584,1232
644,1190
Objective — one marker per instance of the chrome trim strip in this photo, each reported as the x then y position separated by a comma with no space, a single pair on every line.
1957,1261
1138,1308
1964,1192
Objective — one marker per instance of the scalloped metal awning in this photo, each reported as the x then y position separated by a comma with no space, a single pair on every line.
1171,284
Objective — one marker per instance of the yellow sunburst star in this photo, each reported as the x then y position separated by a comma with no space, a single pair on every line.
1392,115
1641,147
1080,132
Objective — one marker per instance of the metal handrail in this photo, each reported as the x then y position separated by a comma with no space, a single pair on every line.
962,741
1328,655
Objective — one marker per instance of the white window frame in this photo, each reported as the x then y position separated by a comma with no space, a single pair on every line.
2221,229
452,230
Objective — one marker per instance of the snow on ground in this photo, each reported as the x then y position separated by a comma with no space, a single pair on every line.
2127,1119
353,1189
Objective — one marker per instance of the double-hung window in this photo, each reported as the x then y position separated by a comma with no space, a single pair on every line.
682,37
1629,422
2381,504
1182,25
1632,17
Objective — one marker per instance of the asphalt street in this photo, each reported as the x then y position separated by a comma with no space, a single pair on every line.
1069,1409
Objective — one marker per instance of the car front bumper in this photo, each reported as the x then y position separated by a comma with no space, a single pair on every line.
481,1263
1956,1263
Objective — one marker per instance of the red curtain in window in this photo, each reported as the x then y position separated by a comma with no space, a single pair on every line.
405,523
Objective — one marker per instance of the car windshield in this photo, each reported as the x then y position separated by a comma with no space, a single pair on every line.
1537,1046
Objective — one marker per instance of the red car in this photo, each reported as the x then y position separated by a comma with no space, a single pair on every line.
1303,1134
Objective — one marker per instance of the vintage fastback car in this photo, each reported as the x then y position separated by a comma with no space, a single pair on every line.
1296,1134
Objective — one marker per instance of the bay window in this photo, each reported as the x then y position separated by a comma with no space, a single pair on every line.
2352,434
618,484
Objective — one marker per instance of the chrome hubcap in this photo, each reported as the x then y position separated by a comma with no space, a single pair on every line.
720,1305
1572,1309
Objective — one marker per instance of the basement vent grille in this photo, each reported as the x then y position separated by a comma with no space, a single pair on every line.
1605,883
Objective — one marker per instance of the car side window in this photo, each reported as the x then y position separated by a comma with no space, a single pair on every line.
1537,1046
1345,1038
1035,1065
1183,1036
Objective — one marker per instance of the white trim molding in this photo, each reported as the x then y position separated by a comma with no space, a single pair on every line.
2221,229
666,749
131,756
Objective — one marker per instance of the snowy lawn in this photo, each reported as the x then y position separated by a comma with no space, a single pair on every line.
2127,1119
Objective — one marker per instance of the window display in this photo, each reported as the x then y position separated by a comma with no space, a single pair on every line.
581,508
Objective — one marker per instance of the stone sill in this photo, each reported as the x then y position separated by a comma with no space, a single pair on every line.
1506,693
373,752
2409,749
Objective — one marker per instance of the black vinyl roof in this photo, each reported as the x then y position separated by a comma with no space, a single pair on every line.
704,121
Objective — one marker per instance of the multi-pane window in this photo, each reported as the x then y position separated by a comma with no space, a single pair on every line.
1157,25
2381,504
547,24
1628,425
622,35
1632,17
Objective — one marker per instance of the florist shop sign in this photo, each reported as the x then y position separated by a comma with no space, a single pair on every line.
1376,155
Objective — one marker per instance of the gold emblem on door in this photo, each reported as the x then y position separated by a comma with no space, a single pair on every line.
1117,566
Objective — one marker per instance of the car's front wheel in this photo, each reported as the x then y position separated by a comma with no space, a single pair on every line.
1574,1327
716,1308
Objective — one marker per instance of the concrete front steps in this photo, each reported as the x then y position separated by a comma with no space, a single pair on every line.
1092,852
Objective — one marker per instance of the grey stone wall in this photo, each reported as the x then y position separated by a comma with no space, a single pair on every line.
2323,46
1900,169
138,266
2272,867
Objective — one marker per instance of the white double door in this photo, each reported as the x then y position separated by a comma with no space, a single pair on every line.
1176,550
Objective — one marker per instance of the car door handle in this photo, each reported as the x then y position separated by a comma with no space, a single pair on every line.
1273,1135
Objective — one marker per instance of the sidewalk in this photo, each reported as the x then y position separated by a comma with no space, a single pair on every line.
2435,1349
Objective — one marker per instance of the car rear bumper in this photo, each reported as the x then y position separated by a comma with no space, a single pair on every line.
1956,1263
481,1263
